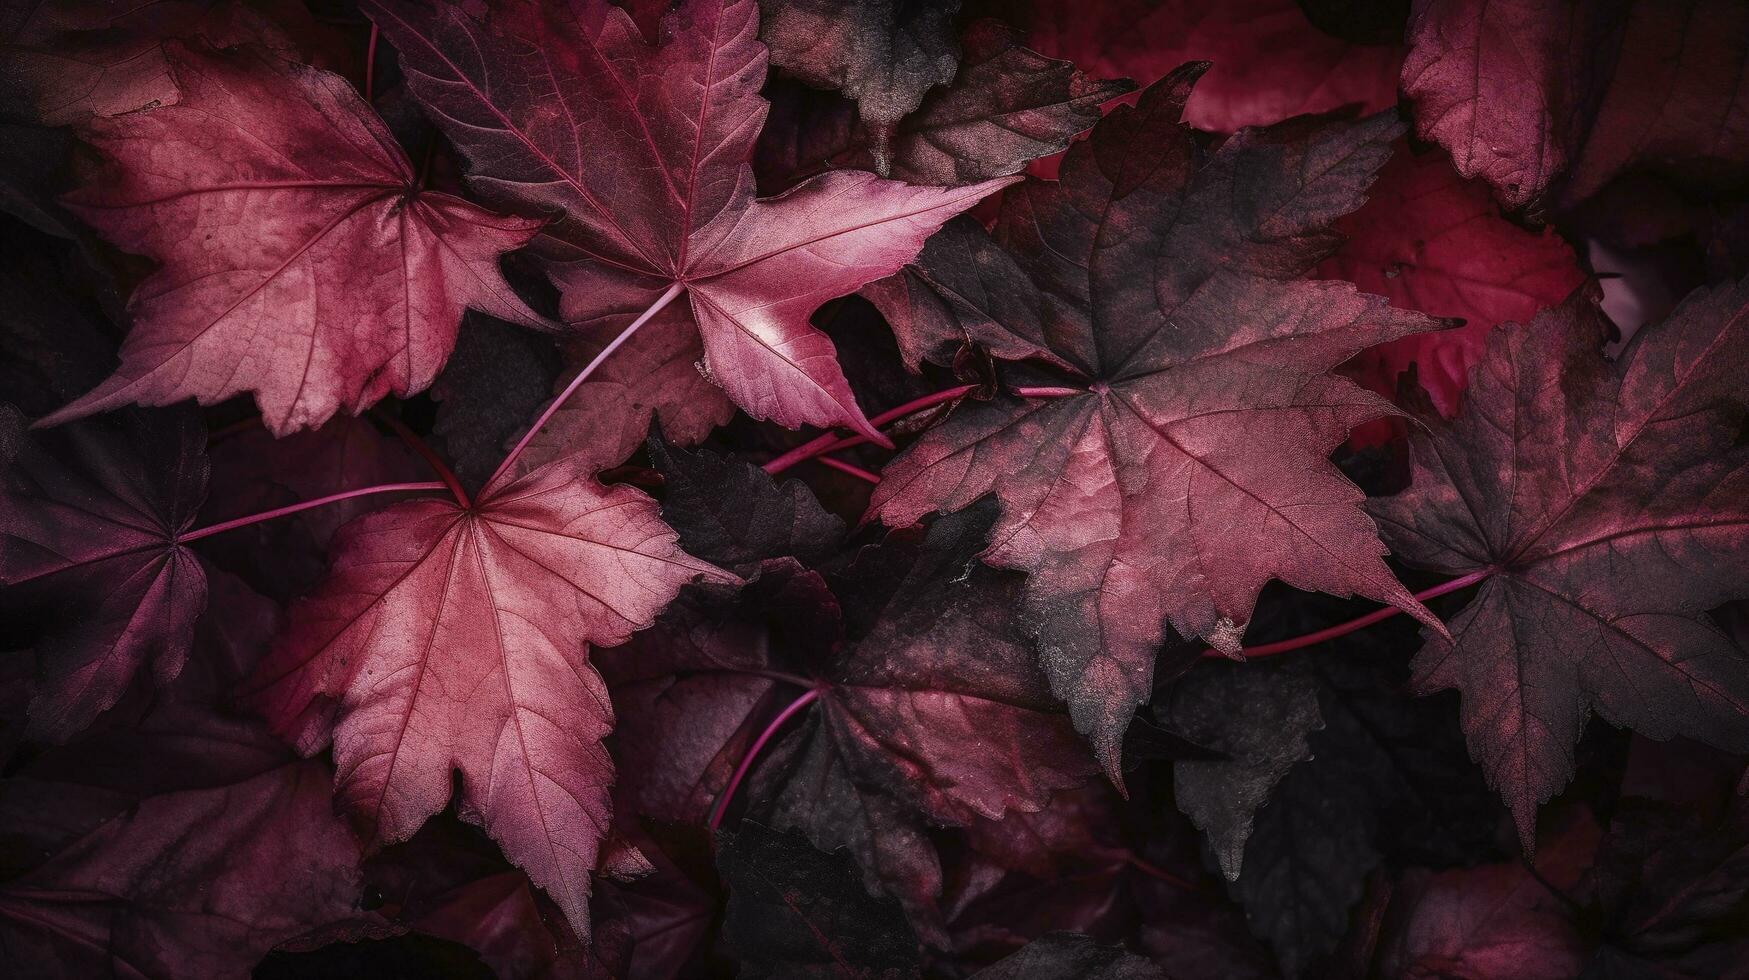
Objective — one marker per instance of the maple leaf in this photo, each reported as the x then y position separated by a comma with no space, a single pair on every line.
1534,96
1269,61
1606,504
454,638
69,60
640,156
884,54
89,538
1187,465
932,662
795,911
1431,241
298,258
178,841
1007,106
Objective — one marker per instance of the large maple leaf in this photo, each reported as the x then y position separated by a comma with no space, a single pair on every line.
298,257
1187,465
1608,506
640,155
451,638
89,523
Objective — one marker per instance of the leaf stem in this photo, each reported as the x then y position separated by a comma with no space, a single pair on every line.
431,458
795,707
843,467
1358,623
583,375
232,525
828,441
370,64
832,442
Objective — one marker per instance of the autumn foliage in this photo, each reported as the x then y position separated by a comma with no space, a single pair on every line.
554,489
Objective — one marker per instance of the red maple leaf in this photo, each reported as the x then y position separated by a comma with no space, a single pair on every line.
298,257
1186,466
640,156
1431,241
1607,506
454,638
89,521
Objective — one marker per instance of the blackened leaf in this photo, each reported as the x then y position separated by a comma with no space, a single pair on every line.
795,911
733,514
1008,106
1308,856
495,384
1066,954
1258,715
884,54
931,712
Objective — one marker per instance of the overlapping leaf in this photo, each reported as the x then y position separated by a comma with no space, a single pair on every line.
1007,106
177,842
1432,241
1608,505
1533,95
1270,61
452,638
89,522
1186,466
640,155
298,258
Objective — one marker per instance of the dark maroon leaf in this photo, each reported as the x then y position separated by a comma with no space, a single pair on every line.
88,546
1502,920
1187,465
1259,719
253,472
732,514
1532,95
795,911
1607,502
179,841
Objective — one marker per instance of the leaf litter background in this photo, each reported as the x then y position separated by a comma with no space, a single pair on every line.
1438,305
